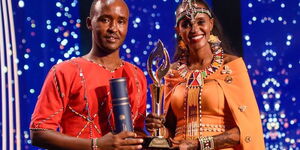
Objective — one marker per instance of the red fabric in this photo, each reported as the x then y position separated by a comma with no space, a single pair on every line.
62,103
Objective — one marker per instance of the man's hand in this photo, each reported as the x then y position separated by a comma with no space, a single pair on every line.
123,141
153,122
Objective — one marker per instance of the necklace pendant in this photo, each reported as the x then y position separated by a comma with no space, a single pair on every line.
195,79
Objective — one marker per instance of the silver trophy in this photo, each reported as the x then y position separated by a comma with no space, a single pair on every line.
158,65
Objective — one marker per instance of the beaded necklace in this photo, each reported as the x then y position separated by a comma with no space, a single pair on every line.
111,71
194,85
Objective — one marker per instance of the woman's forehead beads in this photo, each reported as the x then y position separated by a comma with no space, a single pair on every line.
189,9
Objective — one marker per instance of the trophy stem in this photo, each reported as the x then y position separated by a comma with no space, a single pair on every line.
157,104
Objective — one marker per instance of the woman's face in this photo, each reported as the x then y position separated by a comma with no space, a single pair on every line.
196,34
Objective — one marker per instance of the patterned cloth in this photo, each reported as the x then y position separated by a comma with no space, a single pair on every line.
75,99
227,101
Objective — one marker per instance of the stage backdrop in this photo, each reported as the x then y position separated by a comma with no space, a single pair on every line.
48,32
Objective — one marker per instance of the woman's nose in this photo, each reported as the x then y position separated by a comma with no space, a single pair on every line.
194,27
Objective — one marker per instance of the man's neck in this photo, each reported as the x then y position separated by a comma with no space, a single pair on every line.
109,60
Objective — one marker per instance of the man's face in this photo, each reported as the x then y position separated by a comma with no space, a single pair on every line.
109,24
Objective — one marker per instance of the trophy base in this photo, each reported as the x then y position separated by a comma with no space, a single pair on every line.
156,143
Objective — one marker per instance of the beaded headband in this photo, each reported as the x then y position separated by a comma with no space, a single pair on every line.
190,11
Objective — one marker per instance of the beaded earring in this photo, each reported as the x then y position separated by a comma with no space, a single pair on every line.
184,52
182,45
213,39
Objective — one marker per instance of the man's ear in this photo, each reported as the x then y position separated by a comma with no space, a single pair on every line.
89,23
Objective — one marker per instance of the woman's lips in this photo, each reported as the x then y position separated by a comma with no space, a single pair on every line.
196,38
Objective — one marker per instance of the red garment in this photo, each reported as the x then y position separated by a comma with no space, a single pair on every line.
75,98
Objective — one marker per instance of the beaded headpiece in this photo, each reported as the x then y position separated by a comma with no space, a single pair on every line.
190,10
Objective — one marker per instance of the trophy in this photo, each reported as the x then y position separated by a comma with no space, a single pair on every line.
121,106
159,58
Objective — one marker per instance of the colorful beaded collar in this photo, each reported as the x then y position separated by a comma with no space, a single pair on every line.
196,77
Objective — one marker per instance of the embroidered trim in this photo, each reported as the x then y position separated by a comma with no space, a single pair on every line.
88,118
48,118
56,83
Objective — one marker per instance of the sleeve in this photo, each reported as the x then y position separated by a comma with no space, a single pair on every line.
51,102
242,103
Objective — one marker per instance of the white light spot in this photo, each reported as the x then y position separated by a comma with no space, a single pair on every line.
43,45
41,64
288,43
56,30
58,14
21,4
128,50
66,55
270,69
249,66
247,37
26,56
59,61
289,37
132,41
248,43
282,5
19,72
48,27
52,59
136,59
58,4
290,66
254,18
250,5
137,20
64,23
31,91
157,26
26,67
277,106
64,42
267,107
76,47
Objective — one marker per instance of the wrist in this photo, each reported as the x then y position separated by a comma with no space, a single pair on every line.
206,143
95,144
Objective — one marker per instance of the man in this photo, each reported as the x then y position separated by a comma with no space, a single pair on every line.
75,97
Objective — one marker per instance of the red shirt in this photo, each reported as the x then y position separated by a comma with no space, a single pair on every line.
76,99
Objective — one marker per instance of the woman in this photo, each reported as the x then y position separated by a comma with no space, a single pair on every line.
209,101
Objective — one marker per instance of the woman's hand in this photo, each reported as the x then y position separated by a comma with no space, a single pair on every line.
124,140
153,121
189,145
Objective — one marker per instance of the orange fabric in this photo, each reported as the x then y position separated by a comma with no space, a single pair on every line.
71,84
221,104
